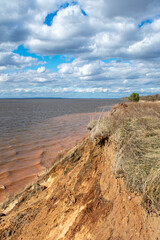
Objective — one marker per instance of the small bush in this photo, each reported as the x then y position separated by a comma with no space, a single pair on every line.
134,97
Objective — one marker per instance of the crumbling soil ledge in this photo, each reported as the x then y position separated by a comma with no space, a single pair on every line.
81,199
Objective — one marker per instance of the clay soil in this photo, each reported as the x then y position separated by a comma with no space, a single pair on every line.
79,199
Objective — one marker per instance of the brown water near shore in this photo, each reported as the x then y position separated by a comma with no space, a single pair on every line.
28,153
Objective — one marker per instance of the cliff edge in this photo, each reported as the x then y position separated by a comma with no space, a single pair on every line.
87,194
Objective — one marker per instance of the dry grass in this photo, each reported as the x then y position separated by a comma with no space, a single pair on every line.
134,128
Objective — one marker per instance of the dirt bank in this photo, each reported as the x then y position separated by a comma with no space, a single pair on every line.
80,199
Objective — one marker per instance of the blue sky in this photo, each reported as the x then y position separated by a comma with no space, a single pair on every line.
84,49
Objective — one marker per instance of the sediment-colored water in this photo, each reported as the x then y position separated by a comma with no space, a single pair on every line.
31,151
26,149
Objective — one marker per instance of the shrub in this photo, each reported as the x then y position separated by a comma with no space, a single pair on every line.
152,98
134,97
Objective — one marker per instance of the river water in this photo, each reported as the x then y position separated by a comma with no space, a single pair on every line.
34,131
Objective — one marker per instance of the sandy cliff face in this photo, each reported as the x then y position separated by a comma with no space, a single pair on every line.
79,199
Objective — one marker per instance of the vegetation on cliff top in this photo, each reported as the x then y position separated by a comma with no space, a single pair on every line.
134,130
134,97
150,98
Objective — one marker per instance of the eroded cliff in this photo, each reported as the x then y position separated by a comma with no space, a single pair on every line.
79,198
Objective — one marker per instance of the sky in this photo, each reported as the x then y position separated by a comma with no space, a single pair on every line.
79,49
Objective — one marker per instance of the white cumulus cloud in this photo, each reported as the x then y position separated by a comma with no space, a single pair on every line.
114,44
41,69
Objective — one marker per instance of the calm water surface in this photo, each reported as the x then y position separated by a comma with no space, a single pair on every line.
34,131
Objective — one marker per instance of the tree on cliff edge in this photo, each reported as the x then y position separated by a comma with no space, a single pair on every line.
134,97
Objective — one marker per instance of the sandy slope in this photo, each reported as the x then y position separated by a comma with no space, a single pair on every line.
79,198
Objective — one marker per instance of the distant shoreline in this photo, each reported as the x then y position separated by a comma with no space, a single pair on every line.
61,98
